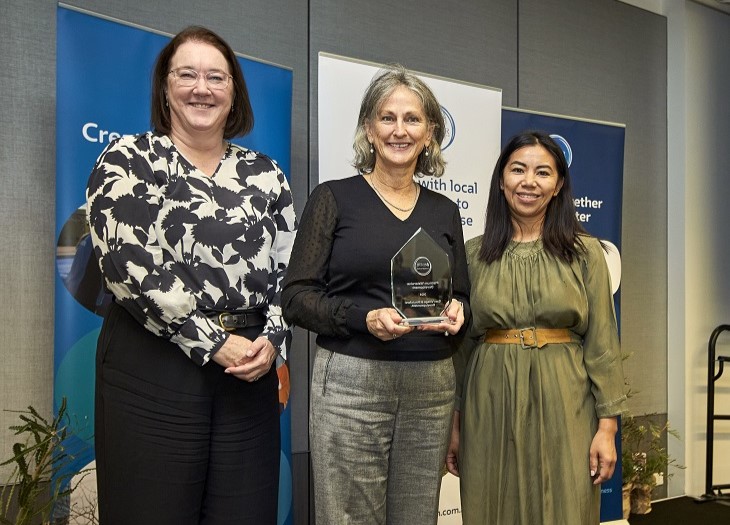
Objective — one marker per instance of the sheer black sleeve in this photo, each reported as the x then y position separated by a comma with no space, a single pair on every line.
304,298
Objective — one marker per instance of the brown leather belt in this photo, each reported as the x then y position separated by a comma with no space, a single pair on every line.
237,319
531,337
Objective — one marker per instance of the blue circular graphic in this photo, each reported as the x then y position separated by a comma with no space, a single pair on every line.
450,129
567,151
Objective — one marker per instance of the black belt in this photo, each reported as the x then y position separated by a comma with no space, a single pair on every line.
236,319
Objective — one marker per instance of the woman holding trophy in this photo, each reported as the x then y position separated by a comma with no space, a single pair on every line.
383,383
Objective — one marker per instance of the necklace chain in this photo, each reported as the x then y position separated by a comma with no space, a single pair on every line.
380,181
386,201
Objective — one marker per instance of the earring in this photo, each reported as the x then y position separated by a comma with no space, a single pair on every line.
233,108
371,148
425,150
166,103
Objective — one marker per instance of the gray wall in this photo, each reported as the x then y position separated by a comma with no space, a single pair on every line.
596,59
707,251
607,61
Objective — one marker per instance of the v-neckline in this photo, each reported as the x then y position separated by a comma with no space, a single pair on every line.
194,168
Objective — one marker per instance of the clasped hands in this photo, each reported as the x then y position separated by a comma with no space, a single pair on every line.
245,359
385,323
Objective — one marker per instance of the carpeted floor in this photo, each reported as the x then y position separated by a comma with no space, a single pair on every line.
684,511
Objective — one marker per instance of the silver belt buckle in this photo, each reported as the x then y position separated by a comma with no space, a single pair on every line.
534,337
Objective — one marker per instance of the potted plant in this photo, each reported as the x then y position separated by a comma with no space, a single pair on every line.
644,458
627,484
36,482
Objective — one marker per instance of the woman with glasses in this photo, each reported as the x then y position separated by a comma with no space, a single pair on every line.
193,235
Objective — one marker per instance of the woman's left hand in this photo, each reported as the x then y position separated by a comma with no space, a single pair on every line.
603,450
261,354
455,312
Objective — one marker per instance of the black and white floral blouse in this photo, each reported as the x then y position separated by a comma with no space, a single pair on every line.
171,241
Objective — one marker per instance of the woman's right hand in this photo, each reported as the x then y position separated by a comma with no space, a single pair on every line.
384,323
452,455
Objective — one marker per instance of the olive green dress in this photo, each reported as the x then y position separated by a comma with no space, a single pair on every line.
529,415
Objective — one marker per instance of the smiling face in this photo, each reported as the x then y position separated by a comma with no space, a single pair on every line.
529,182
198,109
399,131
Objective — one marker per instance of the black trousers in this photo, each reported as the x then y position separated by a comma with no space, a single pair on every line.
180,444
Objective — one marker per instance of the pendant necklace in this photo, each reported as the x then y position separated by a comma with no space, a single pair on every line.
415,200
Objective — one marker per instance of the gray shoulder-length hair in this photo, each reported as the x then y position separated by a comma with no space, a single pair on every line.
380,88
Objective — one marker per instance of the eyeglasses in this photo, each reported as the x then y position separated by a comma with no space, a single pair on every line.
189,77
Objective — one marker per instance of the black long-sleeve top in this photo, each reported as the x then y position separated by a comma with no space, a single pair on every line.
340,268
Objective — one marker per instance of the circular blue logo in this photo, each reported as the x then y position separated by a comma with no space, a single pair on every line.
567,151
450,129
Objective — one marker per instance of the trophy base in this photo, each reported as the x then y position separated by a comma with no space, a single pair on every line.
416,321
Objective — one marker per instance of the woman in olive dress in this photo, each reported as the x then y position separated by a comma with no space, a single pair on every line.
542,389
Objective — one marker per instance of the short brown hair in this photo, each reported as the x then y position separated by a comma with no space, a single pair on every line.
240,119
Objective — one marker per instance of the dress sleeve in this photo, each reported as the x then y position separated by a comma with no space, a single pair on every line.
305,299
123,200
601,346
460,280
277,330
469,341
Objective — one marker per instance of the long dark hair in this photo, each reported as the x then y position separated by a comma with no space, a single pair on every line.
561,231
240,119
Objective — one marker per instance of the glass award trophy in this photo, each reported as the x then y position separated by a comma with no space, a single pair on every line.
420,277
